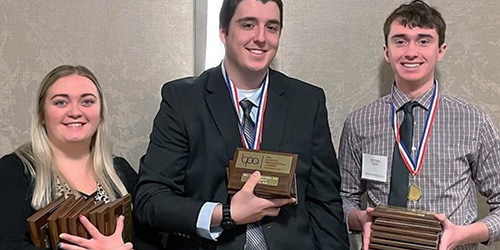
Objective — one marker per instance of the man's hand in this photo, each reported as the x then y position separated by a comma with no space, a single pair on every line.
367,227
454,236
361,220
247,208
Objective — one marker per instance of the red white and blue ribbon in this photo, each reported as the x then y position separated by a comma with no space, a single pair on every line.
415,165
259,123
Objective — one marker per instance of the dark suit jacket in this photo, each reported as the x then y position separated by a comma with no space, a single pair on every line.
195,134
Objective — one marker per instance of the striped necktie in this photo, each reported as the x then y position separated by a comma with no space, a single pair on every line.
255,239
248,124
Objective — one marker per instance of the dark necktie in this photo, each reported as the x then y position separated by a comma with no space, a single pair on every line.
248,124
255,239
399,177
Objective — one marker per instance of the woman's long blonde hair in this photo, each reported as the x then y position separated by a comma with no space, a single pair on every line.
38,158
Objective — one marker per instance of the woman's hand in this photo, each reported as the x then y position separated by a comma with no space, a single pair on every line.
97,240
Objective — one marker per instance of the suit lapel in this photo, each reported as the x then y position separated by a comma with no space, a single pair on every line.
222,111
226,119
275,114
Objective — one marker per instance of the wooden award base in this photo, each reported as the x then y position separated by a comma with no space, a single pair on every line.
396,228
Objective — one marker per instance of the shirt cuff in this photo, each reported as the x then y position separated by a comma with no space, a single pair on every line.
203,227
492,226
347,222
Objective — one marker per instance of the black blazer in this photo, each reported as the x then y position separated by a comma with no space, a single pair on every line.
195,134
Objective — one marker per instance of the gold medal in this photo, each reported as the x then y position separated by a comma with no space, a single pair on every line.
414,193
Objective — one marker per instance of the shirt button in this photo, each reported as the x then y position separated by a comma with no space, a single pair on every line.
413,148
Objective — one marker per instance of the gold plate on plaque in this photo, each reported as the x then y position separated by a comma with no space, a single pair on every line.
264,179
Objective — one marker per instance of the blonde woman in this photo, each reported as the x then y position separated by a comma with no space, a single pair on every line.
69,152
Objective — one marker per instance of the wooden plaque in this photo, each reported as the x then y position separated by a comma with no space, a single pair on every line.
52,220
61,216
403,228
277,172
37,223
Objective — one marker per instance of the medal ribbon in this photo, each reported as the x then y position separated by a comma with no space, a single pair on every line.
415,165
259,123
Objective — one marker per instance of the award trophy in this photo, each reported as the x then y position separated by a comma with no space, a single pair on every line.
277,172
396,228
38,225
61,216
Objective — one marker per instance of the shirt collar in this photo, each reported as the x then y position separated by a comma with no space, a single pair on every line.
255,97
399,98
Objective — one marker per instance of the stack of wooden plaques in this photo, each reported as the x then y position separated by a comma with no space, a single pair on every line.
61,216
396,228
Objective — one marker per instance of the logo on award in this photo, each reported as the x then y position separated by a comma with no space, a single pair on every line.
249,160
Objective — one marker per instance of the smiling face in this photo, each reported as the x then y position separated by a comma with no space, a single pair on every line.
252,39
413,53
71,110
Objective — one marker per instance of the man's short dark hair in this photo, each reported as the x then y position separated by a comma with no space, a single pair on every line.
229,7
417,14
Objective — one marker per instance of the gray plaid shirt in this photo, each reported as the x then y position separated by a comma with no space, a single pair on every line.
463,153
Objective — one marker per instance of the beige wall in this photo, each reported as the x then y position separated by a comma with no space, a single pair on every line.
135,46
338,45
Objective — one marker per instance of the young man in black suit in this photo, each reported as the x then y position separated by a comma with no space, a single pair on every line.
183,185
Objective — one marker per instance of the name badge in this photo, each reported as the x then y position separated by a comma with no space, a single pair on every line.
374,167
